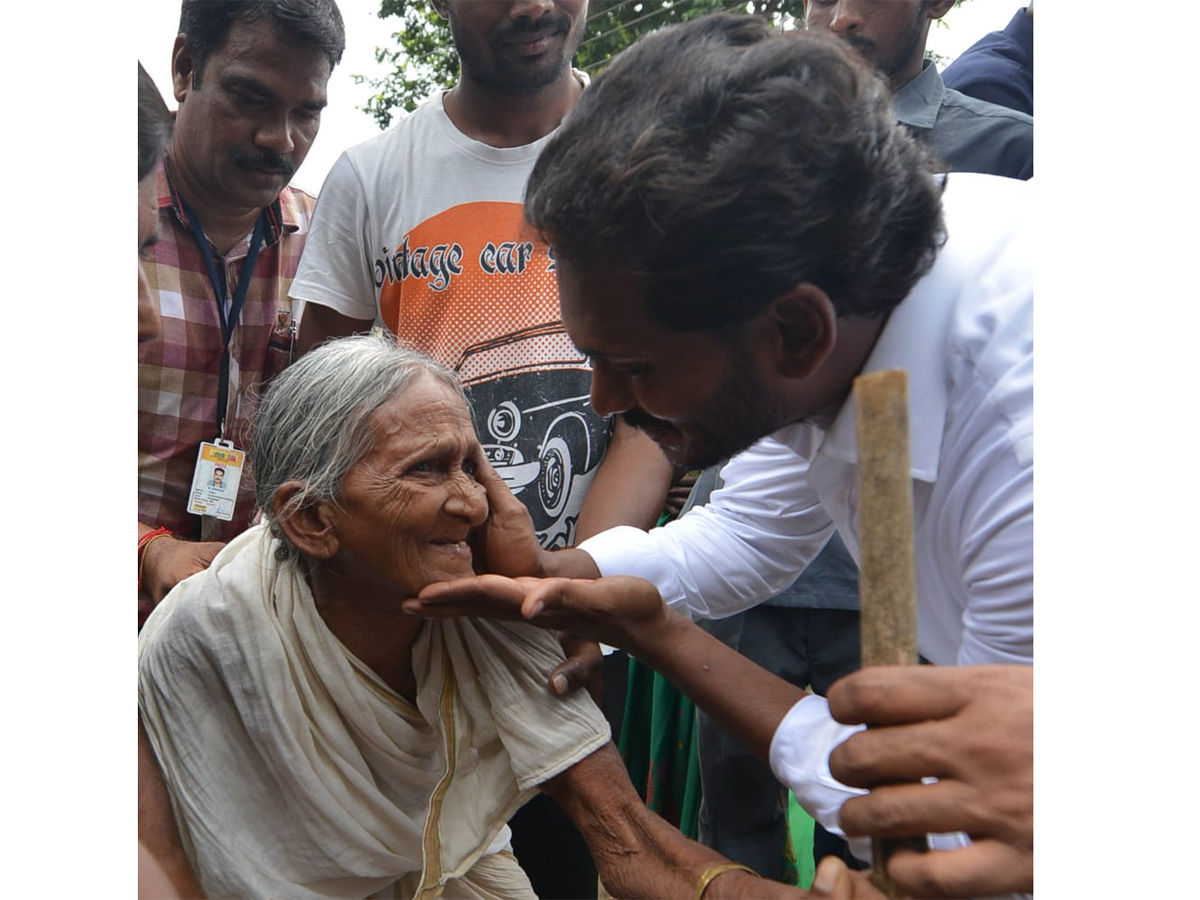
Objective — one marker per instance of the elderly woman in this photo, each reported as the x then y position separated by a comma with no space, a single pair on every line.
319,742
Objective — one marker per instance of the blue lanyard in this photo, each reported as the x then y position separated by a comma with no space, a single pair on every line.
229,319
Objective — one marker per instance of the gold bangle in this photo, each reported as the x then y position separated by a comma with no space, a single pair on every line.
721,869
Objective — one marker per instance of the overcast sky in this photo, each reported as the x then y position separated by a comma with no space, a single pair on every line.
343,124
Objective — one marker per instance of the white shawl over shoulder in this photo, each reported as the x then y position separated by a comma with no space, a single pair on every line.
296,772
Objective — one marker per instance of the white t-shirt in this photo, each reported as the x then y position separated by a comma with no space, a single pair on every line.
965,337
424,227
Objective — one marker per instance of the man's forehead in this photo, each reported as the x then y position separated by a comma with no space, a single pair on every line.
265,51
602,312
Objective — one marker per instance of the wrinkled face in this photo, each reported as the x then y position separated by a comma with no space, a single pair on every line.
149,323
890,34
701,396
515,47
409,505
241,135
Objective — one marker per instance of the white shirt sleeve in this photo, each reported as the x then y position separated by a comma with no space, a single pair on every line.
335,270
800,760
751,540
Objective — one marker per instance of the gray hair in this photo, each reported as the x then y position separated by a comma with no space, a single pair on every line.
312,424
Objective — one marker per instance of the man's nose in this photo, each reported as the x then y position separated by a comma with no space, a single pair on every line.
531,9
276,134
610,391
847,17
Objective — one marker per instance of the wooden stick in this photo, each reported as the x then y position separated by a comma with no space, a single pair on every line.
887,577
887,570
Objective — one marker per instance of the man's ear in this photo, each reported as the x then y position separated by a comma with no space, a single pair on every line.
442,9
311,528
938,8
181,68
805,323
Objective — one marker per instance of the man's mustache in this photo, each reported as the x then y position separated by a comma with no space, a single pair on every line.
265,159
642,421
548,24
864,46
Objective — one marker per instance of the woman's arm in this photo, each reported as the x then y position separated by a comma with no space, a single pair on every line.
638,854
157,833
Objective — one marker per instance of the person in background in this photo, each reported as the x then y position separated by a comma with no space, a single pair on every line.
154,133
968,135
250,80
998,67
163,867
421,227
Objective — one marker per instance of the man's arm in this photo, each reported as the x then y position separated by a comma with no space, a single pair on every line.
630,486
638,854
971,727
158,835
165,561
628,613
750,541
319,323
334,280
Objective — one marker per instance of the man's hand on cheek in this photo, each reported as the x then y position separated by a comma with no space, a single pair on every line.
506,543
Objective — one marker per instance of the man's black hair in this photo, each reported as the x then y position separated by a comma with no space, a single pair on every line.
311,23
721,163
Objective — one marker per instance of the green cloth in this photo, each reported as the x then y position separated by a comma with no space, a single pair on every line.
800,838
658,744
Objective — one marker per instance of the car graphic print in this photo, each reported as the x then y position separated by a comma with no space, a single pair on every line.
536,422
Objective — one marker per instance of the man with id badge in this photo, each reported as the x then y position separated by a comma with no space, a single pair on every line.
250,80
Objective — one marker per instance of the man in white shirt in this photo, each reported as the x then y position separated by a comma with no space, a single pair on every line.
740,229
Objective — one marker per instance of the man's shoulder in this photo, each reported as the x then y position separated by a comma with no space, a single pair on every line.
407,123
1002,116
296,206
980,207
977,136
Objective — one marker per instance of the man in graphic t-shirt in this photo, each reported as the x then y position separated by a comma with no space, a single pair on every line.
422,227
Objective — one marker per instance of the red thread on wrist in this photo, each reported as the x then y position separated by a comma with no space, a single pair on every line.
143,542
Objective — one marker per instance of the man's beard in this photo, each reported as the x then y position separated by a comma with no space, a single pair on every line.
499,75
738,415
909,43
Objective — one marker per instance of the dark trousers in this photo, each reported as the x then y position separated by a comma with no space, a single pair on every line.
743,814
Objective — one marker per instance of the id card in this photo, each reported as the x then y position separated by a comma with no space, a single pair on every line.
215,483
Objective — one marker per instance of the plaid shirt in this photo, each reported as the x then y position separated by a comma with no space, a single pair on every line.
178,374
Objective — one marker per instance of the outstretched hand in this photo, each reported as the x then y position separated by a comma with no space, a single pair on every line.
620,610
971,727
